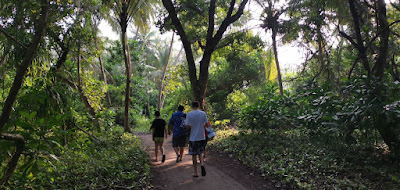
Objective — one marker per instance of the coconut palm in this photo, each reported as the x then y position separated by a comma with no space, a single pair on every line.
158,55
139,13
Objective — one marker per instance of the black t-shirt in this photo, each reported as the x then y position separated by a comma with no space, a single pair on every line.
159,127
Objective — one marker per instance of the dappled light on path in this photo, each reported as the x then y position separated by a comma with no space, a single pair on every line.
172,175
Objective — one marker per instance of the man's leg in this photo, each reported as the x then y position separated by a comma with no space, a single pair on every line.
162,152
181,151
201,157
175,145
176,151
161,148
156,150
194,158
203,169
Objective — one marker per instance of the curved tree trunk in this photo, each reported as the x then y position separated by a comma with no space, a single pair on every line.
16,86
277,61
160,91
102,70
85,99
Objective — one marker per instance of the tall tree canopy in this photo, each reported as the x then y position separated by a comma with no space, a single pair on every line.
194,27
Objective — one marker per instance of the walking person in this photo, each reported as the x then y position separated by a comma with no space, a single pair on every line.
195,120
175,125
159,131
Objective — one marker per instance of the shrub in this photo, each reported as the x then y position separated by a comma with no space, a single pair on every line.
114,161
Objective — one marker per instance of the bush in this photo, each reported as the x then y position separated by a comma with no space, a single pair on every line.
114,161
271,111
292,157
349,116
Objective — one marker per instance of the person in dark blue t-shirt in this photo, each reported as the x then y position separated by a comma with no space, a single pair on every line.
176,126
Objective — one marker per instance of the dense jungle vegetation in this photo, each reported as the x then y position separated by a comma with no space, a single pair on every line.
72,99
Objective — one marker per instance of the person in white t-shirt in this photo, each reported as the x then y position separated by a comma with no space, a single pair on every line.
195,120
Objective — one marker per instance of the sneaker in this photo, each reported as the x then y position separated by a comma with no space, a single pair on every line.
203,171
177,158
163,159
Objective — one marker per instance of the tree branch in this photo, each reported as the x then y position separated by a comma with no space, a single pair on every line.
201,45
12,38
352,67
227,21
19,147
350,39
394,33
185,40
23,67
361,48
396,7
211,12
380,32
231,7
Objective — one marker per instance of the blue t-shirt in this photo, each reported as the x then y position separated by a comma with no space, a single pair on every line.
176,120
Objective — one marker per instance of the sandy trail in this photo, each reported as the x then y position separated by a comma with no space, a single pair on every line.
222,173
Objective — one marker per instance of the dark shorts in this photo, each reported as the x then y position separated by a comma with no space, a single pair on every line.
179,141
197,147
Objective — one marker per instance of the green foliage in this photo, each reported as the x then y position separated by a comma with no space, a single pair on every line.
271,111
294,158
333,117
115,161
233,68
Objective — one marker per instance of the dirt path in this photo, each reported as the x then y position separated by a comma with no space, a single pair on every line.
222,172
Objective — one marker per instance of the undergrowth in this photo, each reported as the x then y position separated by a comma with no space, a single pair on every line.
114,161
295,158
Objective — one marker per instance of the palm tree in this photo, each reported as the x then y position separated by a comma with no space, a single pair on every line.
158,55
272,22
125,11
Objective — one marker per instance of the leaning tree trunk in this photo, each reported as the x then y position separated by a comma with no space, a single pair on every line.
85,99
16,86
176,60
277,61
160,91
103,73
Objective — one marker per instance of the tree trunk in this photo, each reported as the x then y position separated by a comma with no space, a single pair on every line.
127,58
160,91
201,90
386,129
102,70
174,63
394,71
85,100
362,50
323,55
16,86
274,46
199,85
381,62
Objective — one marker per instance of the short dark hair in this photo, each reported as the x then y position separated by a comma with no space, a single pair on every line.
195,104
157,114
181,108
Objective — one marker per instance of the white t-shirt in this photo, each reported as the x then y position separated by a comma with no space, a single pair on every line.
196,119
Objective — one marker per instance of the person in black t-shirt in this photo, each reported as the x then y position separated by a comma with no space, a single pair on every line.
159,132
